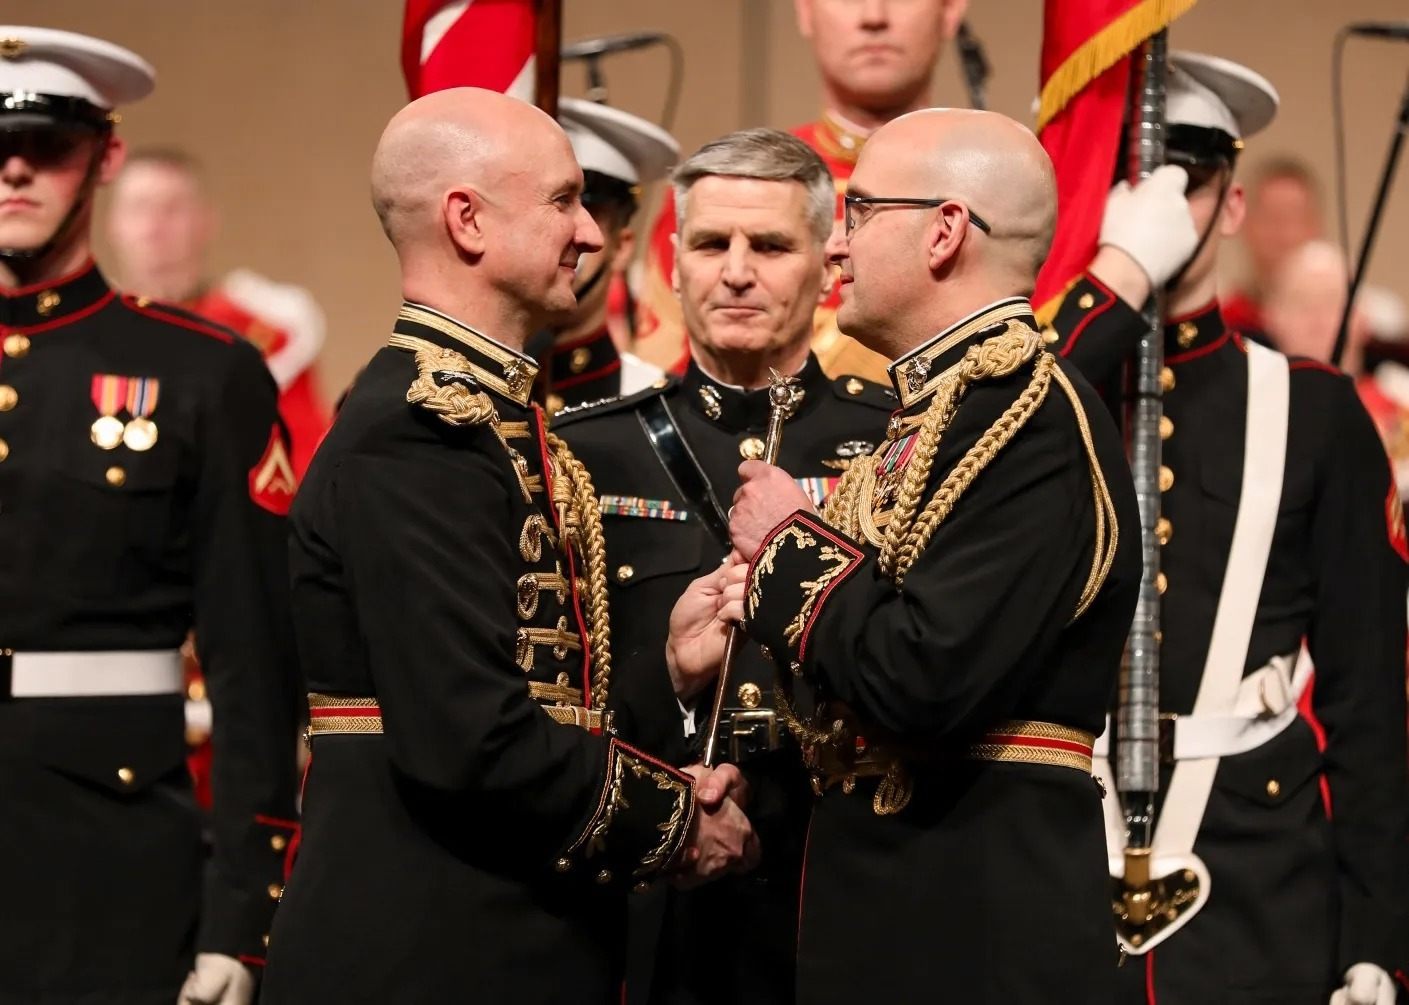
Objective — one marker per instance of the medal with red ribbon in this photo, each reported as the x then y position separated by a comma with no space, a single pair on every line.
109,394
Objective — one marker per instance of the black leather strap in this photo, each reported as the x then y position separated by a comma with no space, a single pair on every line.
684,470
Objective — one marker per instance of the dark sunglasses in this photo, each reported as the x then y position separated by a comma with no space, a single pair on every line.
858,209
45,146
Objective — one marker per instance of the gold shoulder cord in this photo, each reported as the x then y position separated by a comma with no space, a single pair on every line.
573,495
581,523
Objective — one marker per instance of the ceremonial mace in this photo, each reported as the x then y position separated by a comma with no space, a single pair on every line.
782,397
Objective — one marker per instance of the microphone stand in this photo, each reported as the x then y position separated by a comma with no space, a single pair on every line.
1396,146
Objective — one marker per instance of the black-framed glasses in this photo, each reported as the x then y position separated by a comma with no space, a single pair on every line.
858,209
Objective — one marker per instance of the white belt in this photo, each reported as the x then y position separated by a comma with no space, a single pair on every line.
1266,704
92,674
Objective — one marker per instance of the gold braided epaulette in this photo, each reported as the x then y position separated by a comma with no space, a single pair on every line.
446,384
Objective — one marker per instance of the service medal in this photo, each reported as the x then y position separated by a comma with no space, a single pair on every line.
107,432
140,434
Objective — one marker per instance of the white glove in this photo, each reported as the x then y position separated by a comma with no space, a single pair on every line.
1365,984
217,980
1152,224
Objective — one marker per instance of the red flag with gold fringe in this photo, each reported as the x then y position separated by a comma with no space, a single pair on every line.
1086,45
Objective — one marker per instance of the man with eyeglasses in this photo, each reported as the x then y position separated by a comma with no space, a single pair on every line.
1288,802
950,625
876,60
144,481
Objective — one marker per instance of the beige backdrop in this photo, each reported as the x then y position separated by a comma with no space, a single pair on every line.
285,99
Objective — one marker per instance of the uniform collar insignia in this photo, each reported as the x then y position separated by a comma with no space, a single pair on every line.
917,374
738,410
1192,333
50,304
496,368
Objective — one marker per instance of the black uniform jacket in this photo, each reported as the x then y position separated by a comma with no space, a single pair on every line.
658,540
127,548
584,371
1296,895
985,629
477,848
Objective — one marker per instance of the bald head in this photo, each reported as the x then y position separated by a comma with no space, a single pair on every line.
482,198
450,138
990,163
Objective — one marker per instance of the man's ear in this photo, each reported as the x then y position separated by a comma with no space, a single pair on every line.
803,10
625,249
463,209
114,157
1235,210
945,235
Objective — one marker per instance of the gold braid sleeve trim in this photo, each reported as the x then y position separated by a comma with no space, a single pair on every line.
581,520
1107,528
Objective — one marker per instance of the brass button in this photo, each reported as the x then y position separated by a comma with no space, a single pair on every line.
143,301
661,382
1274,788
1166,379
1086,302
17,346
1161,582
46,302
750,695
624,573
854,386
1164,530
265,940
9,397
1050,336
1188,331
579,359
1166,427
604,877
1159,638
562,865
116,477
126,775
275,891
4,450
1166,478
278,842
751,449
555,403
195,690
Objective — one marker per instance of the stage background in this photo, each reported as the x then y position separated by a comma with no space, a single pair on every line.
285,100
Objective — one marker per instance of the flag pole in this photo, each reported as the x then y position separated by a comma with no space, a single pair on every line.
547,61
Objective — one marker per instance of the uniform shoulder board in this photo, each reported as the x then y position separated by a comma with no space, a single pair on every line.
866,392
610,406
170,313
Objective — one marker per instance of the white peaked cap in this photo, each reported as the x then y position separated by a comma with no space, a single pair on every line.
616,143
65,64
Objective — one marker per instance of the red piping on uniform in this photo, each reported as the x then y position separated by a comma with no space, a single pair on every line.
176,319
252,961
583,378
1312,364
572,564
802,880
1150,978
339,712
577,343
67,319
19,291
260,818
1091,314
1051,743
1203,350
1209,308
845,546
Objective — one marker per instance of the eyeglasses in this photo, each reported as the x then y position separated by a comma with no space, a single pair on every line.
858,209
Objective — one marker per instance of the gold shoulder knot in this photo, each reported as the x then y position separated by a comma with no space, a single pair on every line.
447,386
